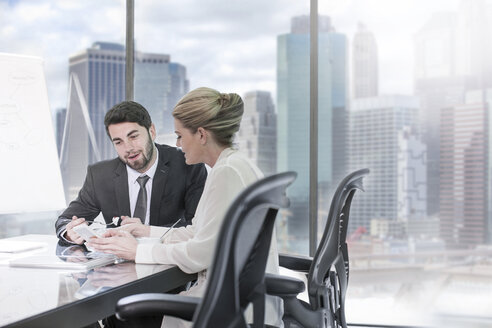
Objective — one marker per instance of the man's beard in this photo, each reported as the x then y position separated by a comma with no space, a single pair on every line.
146,157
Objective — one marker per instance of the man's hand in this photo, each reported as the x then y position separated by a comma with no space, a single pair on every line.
116,241
134,226
71,235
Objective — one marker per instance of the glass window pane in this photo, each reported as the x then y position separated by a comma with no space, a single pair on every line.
419,236
263,55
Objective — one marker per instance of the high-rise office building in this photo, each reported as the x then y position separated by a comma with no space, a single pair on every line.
465,194
339,100
457,44
159,84
151,85
179,86
364,63
438,86
384,138
257,136
96,83
452,56
293,111
473,42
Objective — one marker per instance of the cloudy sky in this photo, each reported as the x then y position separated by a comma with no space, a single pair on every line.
229,45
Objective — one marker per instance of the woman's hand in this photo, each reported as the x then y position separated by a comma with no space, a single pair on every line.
135,227
116,241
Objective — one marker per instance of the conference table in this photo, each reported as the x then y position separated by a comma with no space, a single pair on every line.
67,297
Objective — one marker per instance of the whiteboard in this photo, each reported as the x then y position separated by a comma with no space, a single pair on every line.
30,178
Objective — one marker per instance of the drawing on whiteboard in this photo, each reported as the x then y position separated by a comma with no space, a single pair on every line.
16,133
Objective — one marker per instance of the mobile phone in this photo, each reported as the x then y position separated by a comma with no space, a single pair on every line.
85,232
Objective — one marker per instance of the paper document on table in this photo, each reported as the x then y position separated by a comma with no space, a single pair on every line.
17,246
82,263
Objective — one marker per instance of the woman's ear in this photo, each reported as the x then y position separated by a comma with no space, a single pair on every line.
202,135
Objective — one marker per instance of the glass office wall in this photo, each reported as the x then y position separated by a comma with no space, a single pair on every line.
404,90
256,49
396,95
418,117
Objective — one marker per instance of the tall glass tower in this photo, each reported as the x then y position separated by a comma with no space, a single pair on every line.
293,113
384,137
159,84
365,63
257,136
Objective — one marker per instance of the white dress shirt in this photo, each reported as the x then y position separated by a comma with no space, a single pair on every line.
134,187
191,248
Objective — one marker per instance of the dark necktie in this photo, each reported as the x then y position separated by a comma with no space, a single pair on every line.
141,205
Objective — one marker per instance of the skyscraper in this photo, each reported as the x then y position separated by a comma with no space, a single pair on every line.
473,42
453,51
339,92
364,63
384,138
180,85
159,84
257,136
465,194
438,86
293,111
152,84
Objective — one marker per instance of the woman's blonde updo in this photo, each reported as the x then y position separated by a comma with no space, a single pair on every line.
218,113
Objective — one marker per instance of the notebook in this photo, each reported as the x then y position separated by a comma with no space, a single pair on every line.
70,262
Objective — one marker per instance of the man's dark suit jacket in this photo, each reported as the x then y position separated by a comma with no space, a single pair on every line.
176,190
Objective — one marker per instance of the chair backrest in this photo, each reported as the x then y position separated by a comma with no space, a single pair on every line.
236,276
329,272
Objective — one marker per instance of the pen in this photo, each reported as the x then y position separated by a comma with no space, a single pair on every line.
174,224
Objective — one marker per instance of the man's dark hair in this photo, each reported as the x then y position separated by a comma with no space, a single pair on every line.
127,111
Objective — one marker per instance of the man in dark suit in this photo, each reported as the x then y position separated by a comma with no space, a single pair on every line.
111,186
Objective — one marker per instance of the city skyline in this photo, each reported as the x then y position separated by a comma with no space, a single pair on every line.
330,102
159,31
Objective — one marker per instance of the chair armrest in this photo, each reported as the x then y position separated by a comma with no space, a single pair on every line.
295,262
157,304
283,286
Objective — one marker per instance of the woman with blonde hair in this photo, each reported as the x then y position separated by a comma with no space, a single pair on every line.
205,122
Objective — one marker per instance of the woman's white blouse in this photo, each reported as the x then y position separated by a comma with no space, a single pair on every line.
191,248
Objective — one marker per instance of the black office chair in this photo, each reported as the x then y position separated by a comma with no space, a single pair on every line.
236,276
328,271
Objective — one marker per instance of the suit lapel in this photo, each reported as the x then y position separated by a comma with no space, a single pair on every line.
158,186
121,189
